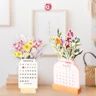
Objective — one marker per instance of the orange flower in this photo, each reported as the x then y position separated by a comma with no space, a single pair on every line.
58,40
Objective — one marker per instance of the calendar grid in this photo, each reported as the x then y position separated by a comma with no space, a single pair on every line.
66,75
27,74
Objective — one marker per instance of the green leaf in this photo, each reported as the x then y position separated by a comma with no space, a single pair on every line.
78,54
59,34
77,50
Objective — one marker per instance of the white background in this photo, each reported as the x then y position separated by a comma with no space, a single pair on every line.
79,20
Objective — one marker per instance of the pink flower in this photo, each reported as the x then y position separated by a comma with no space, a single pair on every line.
37,44
67,44
68,39
18,45
70,34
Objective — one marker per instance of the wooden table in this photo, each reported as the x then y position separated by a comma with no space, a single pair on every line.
47,91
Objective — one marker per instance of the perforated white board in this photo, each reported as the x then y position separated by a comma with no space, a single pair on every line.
27,74
66,75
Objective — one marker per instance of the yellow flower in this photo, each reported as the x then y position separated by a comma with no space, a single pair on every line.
30,42
52,37
18,54
27,47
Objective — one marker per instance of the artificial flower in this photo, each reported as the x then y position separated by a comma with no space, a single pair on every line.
30,42
28,49
26,55
66,47
18,45
36,44
70,34
18,54
58,41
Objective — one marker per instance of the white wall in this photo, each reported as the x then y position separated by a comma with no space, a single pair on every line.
79,21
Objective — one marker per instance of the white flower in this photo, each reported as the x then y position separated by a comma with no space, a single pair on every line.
34,50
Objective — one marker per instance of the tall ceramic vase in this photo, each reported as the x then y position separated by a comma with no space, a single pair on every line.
66,76
28,76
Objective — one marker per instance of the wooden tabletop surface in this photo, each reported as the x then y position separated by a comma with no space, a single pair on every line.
48,91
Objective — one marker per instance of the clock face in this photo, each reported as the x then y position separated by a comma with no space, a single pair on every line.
48,6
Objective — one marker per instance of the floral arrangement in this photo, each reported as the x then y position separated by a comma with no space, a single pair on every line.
67,48
28,49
